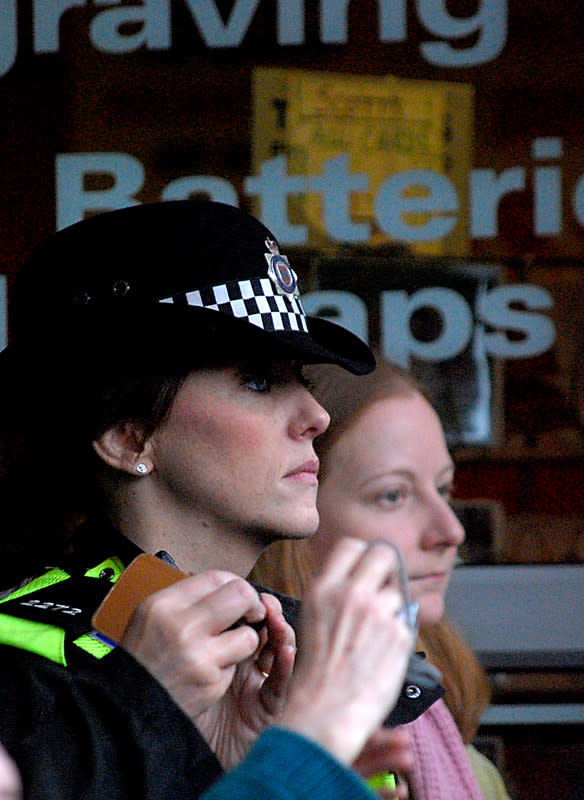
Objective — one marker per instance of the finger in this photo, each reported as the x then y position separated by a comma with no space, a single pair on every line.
194,588
279,631
376,572
378,626
386,751
232,647
274,618
220,609
325,605
377,566
276,659
271,602
357,571
274,690
163,625
161,611
366,620
171,609
400,736
10,782
403,791
388,794
341,560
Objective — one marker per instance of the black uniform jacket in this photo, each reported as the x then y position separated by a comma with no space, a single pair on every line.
102,728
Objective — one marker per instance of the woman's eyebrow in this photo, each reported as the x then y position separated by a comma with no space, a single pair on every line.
398,472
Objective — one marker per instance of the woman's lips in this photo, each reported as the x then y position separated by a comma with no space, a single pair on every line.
305,473
431,578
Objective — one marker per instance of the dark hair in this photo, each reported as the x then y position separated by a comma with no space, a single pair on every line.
48,468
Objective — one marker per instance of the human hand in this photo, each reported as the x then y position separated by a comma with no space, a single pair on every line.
388,750
182,636
355,648
257,694
10,783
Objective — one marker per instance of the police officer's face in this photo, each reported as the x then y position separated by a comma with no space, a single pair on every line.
390,476
236,452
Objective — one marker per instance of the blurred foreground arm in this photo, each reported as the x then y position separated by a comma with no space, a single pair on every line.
354,656
355,650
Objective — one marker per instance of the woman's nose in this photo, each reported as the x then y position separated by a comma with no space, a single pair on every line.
310,419
444,528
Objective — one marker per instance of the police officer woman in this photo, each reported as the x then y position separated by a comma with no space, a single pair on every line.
153,402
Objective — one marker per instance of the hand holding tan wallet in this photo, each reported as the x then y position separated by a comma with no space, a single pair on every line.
145,575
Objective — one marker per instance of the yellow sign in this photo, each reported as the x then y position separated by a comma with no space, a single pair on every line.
384,125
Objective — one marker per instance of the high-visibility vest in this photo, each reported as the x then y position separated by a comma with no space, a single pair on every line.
51,614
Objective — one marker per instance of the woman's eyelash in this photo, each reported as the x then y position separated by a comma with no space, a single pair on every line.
258,382
393,495
272,377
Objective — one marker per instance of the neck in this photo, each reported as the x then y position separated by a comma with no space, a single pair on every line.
195,543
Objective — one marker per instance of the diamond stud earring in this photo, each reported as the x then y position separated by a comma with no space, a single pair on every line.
141,468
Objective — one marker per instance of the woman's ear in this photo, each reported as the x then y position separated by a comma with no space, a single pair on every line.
121,447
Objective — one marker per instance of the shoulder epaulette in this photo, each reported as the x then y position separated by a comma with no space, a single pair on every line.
51,614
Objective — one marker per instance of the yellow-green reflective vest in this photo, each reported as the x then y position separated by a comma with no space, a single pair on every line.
51,614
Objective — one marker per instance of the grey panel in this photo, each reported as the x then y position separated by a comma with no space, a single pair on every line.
521,616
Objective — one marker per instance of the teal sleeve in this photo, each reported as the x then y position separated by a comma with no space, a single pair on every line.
283,765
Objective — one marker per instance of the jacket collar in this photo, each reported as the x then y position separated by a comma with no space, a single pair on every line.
97,539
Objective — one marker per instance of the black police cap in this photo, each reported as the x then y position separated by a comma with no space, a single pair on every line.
186,279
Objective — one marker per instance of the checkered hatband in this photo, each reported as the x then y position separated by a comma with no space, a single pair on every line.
254,299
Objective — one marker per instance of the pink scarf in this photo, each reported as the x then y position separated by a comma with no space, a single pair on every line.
442,770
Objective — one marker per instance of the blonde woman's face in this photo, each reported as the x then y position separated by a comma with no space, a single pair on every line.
390,476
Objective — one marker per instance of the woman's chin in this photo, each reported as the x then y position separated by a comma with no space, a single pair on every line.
431,611
299,526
